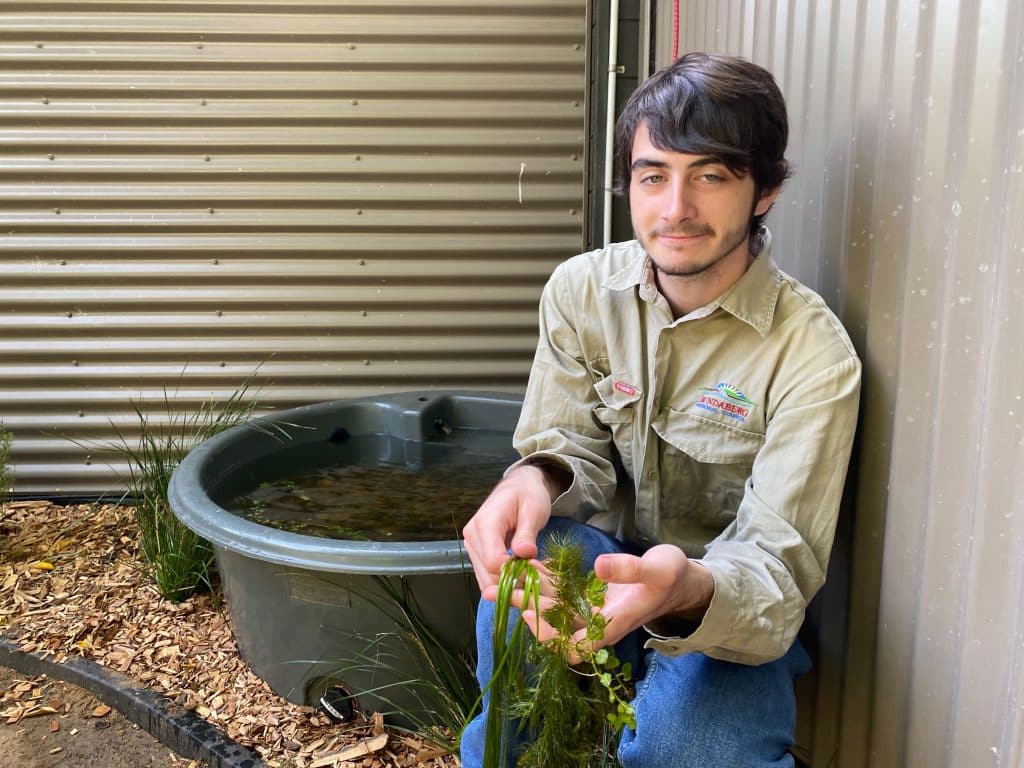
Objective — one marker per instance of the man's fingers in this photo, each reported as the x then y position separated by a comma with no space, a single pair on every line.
524,542
619,569
540,628
518,600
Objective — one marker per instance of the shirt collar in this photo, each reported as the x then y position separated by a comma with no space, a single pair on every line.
751,299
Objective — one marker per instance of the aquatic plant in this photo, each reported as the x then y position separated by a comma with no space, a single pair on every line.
569,715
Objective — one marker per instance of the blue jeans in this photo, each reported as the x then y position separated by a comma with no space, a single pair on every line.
692,711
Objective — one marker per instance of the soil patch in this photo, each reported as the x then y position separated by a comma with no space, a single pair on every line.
51,724
71,585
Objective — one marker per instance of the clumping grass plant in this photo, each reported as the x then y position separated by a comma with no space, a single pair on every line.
6,476
180,562
571,714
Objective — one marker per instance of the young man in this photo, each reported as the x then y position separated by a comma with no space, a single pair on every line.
698,405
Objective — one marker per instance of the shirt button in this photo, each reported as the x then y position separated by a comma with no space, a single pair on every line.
652,475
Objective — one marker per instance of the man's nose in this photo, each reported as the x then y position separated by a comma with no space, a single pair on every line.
679,204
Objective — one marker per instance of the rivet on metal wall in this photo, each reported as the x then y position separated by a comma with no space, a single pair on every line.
366,362
215,261
56,210
572,211
206,158
575,103
70,314
219,313
359,211
357,157
199,46
351,46
81,414
45,100
39,45
576,46
51,156
63,262
211,210
88,462
74,363
223,364
363,313
202,102
355,102
362,262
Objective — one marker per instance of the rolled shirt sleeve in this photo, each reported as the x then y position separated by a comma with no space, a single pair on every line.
557,424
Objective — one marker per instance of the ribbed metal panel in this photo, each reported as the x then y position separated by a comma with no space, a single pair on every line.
906,213
355,196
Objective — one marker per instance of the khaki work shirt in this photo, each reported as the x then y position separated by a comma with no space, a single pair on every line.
726,432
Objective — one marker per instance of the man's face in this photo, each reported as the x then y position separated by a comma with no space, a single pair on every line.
690,212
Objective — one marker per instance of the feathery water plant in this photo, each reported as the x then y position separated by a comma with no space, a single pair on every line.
571,714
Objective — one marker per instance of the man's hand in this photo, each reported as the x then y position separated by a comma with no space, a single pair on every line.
510,518
663,582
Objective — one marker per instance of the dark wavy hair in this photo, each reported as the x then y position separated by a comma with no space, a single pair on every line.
710,104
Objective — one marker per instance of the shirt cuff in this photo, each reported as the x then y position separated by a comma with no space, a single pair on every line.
675,637
569,503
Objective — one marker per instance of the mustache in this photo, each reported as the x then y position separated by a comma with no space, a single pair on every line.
685,230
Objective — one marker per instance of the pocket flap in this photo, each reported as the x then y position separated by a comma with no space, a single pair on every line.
615,396
707,440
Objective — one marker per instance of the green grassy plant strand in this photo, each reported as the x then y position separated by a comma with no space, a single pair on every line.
509,650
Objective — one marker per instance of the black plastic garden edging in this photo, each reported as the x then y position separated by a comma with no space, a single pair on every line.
182,731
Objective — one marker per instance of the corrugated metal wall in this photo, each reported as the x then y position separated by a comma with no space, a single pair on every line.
358,196
906,213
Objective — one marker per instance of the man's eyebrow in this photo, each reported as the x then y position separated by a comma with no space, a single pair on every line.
644,162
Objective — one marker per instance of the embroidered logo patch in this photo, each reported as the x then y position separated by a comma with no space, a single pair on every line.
625,388
727,400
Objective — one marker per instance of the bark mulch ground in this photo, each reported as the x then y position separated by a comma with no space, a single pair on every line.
71,584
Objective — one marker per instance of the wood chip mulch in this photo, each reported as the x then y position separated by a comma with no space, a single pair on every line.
71,584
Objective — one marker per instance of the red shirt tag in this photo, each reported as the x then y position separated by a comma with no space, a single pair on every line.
625,388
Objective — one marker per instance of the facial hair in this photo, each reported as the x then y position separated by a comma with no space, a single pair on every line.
735,239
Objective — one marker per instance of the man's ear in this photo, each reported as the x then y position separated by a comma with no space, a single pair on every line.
766,199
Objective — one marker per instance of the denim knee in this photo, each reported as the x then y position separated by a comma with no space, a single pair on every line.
693,711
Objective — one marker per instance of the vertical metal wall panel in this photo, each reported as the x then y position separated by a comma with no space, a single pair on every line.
355,196
906,214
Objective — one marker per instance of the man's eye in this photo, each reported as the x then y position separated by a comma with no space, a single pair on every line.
654,178
712,178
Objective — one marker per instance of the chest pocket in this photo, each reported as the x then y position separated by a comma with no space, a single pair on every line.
617,412
704,468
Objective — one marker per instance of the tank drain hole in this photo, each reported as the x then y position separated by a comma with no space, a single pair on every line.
338,436
338,704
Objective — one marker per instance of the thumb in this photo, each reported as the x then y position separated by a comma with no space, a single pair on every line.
524,543
619,569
